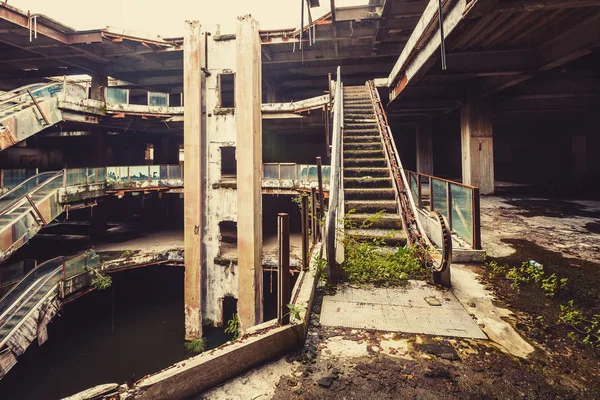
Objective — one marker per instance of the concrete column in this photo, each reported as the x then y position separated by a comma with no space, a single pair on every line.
477,143
99,138
162,151
424,148
99,84
193,49
248,96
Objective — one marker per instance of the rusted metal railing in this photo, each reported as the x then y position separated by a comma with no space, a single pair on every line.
458,202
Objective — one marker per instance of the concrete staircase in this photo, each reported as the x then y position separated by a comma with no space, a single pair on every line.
368,186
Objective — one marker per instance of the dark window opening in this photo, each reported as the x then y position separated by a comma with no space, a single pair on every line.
229,308
228,241
227,90
228,162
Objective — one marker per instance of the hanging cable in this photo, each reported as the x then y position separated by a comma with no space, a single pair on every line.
442,40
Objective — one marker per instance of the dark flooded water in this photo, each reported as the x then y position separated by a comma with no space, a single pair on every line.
133,328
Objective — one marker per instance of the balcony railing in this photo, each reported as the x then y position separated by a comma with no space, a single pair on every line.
457,202
295,172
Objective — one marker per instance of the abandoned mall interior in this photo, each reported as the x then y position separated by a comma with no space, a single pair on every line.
397,199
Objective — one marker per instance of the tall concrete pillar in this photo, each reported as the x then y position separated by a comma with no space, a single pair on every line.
99,138
99,85
248,96
193,49
477,143
424,148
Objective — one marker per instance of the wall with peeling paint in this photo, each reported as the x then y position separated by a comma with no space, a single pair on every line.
221,202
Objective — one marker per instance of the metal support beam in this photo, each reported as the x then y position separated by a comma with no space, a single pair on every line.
304,216
283,269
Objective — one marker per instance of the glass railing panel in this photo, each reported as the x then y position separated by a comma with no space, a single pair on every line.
414,187
27,186
287,171
13,177
158,99
313,175
117,95
164,172
75,266
271,171
76,176
138,173
154,172
302,172
326,172
440,198
101,175
92,259
462,211
175,172
49,267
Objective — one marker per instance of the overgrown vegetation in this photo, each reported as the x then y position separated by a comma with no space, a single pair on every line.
197,345
321,269
529,272
99,280
233,327
585,328
369,261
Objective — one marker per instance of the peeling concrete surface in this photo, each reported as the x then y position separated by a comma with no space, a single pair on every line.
478,301
559,225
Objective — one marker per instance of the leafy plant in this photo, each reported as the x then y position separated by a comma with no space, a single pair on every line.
321,270
369,261
528,272
197,345
127,254
99,280
586,330
552,284
295,311
233,327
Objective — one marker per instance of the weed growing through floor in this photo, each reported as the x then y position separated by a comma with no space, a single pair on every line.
370,261
197,345
233,327
586,330
528,272
321,269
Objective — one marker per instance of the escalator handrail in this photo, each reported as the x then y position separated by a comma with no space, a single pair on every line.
24,93
8,208
5,308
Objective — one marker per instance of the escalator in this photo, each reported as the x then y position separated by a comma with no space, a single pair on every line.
369,186
30,109
26,208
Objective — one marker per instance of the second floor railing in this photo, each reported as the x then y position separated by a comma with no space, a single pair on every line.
296,172
457,202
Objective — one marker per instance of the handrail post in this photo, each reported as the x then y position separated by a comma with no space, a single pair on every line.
449,204
283,268
304,216
419,191
476,219
321,206
313,217
431,207
38,107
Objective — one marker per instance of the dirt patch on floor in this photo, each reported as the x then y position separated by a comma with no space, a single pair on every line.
432,368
